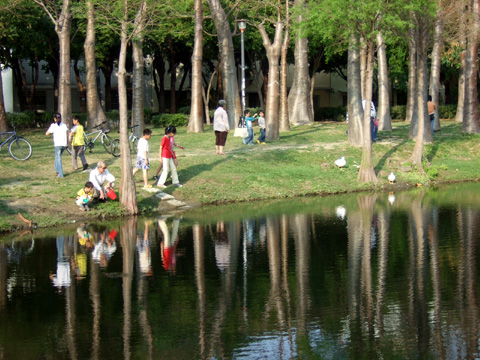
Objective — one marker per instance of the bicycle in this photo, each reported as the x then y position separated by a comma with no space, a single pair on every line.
18,147
132,143
104,138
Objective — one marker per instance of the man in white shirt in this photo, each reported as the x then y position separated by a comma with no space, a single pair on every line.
373,114
59,131
102,181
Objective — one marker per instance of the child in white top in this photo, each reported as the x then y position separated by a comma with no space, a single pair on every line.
142,157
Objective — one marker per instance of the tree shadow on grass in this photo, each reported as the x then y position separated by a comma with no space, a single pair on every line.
387,155
289,135
192,171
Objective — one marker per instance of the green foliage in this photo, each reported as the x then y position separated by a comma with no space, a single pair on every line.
147,114
112,115
21,120
330,113
447,111
398,112
164,120
184,110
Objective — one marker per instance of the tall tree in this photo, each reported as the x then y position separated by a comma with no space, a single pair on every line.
435,64
95,113
354,93
3,115
383,108
299,105
195,123
60,15
411,111
284,119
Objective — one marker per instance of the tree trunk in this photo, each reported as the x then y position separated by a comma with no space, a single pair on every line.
435,67
383,108
206,97
138,85
421,94
273,55
195,123
363,65
3,115
229,73
82,90
461,89
411,115
29,91
128,197
62,28
284,123
355,112
95,113
173,78
159,66
367,172
107,69
299,105
471,123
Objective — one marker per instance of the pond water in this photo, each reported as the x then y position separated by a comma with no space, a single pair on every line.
361,276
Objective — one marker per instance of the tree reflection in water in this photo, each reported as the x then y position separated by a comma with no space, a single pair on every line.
382,280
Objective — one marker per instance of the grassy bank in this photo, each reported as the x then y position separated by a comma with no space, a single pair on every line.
299,164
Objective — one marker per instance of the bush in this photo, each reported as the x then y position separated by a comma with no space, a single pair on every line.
147,116
330,113
184,110
164,120
21,120
398,112
447,111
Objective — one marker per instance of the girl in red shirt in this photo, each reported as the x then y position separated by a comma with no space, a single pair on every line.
167,158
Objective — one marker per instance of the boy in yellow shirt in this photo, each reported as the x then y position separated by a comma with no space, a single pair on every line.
78,143
84,196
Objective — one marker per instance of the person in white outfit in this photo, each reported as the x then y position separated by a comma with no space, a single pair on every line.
102,181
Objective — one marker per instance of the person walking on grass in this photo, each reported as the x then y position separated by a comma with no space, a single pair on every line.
221,127
249,120
59,131
261,124
431,112
166,157
77,139
142,161
175,161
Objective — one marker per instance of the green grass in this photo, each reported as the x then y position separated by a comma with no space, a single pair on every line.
299,163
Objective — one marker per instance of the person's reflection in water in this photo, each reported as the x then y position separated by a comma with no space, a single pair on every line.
104,248
144,255
169,244
222,247
62,277
249,226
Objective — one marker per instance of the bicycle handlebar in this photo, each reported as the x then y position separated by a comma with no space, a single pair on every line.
96,126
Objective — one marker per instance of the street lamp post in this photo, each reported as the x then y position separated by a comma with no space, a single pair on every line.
242,25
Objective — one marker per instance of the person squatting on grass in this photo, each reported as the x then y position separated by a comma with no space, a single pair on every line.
84,196
220,126
78,143
166,157
102,181
59,131
175,161
261,124
142,161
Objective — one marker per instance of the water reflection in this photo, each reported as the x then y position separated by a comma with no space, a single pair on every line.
360,277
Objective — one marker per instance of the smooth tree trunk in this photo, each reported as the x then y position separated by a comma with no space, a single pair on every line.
421,95
107,69
273,55
128,197
299,105
363,65
173,78
284,123
411,111
461,71
228,68
383,108
471,123
138,83
159,68
435,68
206,97
195,124
355,111
29,90
3,115
367,172
82,89
95,113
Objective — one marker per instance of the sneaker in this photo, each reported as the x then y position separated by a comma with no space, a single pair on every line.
147,186
258,141
87,208
178,185
162,186
244,142
155,177
251,144
262,143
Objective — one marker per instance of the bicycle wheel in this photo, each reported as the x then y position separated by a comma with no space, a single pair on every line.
20,149
107,143
116,148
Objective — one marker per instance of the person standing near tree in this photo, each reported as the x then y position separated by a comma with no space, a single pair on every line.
221,126
431,112
59,131
77,139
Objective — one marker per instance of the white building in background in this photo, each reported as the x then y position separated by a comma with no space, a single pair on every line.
330,89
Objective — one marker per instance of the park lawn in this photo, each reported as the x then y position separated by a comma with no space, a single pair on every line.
300,163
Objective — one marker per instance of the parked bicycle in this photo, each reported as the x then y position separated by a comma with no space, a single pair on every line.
132,143
18,147
100,133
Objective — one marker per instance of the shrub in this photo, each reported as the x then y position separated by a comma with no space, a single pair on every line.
147,116
330,113
184,110
43,118
398,112
447,111
21,120
164,120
